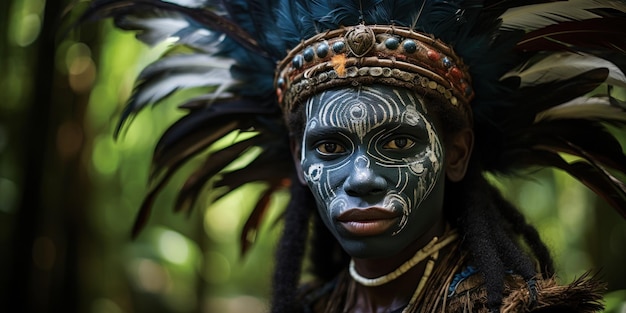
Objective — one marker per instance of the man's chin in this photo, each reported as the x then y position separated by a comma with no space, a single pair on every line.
369,247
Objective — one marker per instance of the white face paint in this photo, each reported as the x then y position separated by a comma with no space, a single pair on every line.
373,161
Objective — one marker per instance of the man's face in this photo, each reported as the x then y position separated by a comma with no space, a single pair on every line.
373,160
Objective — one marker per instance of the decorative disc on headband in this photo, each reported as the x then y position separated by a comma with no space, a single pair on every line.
360,40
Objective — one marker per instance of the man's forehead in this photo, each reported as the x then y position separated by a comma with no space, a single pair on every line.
364,111
358,102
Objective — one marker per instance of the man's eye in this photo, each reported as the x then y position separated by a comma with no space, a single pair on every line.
330,148
400,143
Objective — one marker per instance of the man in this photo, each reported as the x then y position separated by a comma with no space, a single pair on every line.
394,111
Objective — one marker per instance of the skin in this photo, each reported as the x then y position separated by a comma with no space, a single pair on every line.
373,148
378,147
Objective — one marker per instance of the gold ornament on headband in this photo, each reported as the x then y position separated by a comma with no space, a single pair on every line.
362,54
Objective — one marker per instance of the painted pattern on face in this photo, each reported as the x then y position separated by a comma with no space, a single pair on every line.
372,147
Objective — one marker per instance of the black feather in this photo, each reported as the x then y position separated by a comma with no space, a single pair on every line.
214,163
531,100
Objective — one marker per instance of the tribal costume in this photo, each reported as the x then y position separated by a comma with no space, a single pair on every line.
532,79
457,288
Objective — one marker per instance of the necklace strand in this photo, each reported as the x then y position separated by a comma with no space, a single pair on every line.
432,247
429,269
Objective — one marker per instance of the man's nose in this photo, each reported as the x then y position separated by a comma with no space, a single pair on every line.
364,181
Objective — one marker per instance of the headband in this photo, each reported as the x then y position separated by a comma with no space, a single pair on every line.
363,54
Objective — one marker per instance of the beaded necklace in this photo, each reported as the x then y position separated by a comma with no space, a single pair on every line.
431,248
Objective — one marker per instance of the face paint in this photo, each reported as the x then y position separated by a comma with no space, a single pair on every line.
373,161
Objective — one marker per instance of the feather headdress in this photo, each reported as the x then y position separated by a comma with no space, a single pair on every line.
544,76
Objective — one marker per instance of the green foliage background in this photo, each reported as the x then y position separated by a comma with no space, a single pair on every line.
69,192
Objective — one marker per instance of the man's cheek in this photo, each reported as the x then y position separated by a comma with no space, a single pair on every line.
337,205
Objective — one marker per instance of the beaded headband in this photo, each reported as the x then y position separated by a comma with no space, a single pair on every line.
361,54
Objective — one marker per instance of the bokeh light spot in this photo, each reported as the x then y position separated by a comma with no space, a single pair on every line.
239,304
28,30
76,51
8,195
105,158
221,222
152,276
173,247
82,74
105,306
100,108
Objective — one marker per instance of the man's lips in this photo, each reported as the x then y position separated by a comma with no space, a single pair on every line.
367,222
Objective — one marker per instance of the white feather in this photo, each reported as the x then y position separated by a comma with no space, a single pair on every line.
536,16
564,65
188,3
188,63
173,73
590,108
154,29
165,87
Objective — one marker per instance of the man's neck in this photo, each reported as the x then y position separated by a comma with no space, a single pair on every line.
396,293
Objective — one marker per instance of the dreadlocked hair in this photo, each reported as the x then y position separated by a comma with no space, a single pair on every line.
491,228
529,233
326,255
291,249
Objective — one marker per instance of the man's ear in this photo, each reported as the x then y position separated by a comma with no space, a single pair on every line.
458,151
296,153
